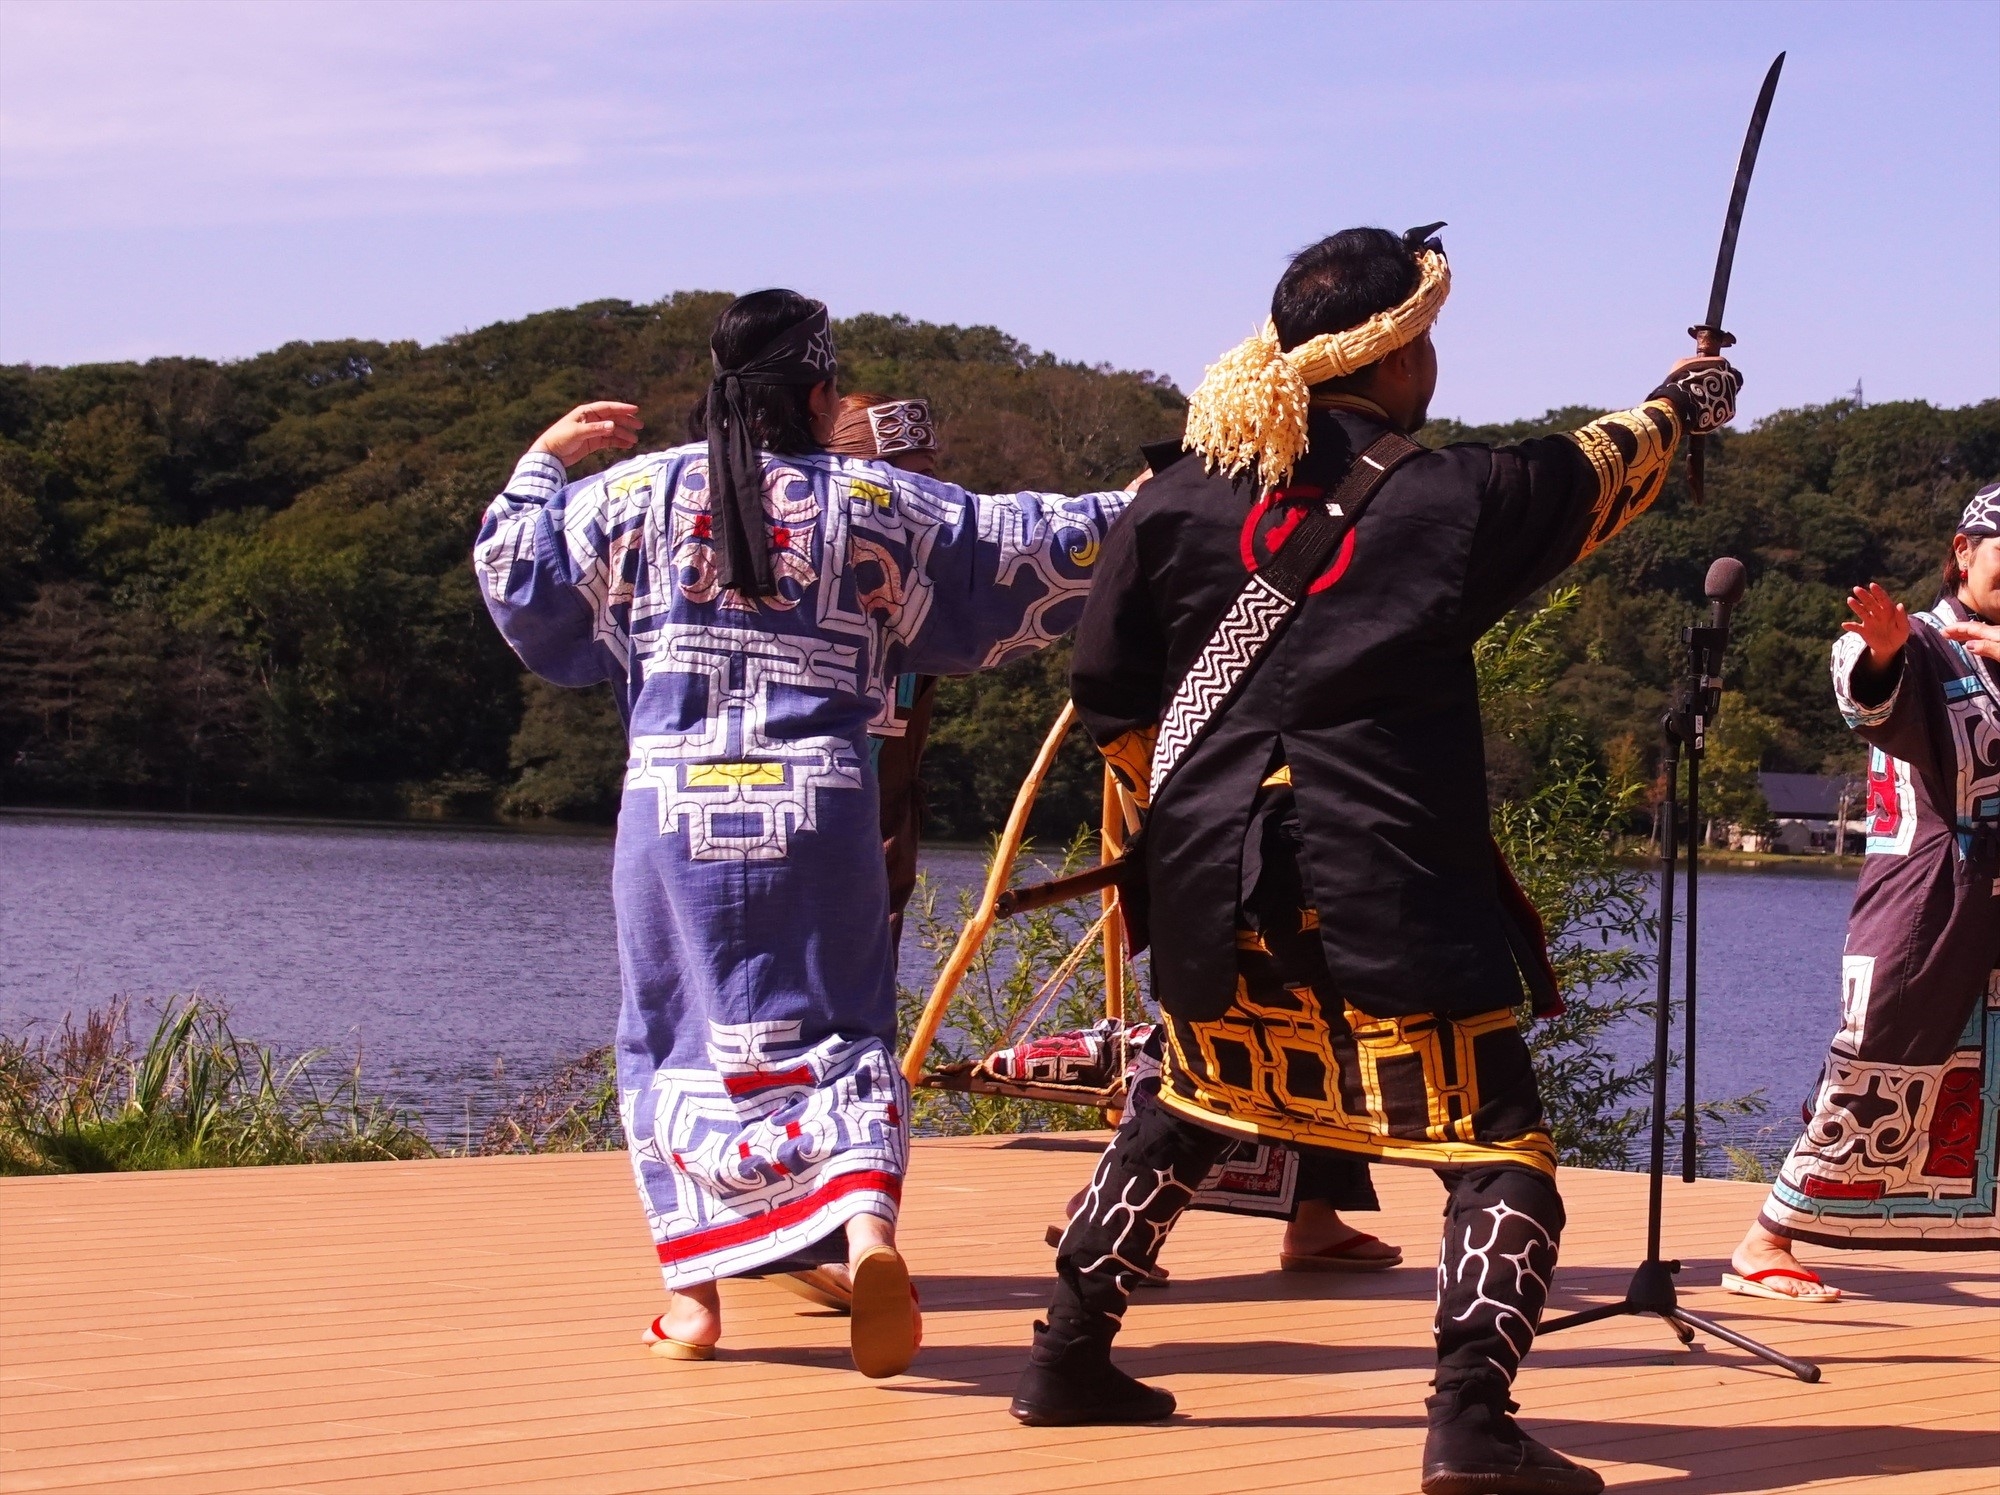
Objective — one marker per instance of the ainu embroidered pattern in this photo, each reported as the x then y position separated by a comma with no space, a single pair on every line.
1130,756
1632,452
1405,1089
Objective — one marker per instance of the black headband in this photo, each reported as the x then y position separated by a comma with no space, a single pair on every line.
801,354
1982,515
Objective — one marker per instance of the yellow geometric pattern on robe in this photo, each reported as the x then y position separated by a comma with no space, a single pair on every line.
1632,452
870,493
730,775
1275,1025
1129,756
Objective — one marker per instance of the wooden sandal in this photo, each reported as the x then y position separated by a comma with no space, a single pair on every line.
1751,1285
667,1347
1341,1258
882,1329
818,1286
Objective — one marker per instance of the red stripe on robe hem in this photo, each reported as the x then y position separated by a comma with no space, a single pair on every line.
721,1237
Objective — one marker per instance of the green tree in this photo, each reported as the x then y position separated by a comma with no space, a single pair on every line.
568,754
1737,745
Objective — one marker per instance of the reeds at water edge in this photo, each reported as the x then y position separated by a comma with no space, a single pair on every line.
90,1099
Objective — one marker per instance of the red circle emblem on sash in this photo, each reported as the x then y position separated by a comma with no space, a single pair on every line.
1270,524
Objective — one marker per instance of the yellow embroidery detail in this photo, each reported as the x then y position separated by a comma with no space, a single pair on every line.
1130,758
632,482
729,775
1277,1030
871,493
1631,451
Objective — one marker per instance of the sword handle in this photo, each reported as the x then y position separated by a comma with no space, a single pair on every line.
1708,343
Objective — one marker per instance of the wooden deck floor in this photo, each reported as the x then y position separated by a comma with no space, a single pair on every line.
473,1325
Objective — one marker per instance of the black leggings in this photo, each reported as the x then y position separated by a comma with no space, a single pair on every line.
1502,1225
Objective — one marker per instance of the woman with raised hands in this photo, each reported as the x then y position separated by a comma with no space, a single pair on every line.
752,597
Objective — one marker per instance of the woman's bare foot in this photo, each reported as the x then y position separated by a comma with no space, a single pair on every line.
1318,1229
694,1315
1763,1250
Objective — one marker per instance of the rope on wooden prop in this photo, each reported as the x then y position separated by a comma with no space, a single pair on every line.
1109,926
998,874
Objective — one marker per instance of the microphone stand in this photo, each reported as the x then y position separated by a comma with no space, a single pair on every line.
1685,727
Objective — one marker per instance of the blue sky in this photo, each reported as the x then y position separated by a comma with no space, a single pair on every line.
1117,183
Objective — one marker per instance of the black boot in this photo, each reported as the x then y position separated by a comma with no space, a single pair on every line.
1071,1382
1475,1448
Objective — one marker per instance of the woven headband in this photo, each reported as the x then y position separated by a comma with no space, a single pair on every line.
1252,405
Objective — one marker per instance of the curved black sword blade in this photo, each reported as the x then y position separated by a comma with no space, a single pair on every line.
1725,258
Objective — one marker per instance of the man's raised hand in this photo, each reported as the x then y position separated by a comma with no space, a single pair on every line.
1882,622
591,428
1704,391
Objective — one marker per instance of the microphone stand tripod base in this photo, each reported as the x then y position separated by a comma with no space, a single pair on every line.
1652,1287
1652,1291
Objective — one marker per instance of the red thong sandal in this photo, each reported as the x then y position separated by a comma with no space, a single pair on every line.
667,1347
818,1285
1751,1285
1342,1257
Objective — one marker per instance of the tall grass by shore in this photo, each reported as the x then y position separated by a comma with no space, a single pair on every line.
92,1098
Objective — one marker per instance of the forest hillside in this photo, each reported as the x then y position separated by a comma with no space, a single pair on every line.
244,586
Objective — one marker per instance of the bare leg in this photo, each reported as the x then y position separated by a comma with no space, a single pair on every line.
694,1314
1318,1227
1763,1249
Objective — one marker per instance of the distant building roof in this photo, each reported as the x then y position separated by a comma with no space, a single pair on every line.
1808,796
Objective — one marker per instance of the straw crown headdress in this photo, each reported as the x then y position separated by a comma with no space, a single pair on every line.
1251,407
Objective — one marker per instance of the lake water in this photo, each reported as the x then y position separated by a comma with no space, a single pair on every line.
461,961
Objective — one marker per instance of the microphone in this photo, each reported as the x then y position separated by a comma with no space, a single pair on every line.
1724,588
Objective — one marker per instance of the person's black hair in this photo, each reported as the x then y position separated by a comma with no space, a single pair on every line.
780,414
1341,282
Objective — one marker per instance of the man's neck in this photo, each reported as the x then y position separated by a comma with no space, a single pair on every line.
1357,404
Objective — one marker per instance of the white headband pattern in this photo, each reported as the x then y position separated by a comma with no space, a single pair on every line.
1982,515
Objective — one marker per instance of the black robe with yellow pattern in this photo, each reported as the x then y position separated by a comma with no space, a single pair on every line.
1369,696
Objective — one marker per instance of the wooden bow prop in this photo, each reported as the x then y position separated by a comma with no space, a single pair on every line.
999,873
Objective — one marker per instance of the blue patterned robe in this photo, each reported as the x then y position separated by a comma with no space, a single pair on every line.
760,1093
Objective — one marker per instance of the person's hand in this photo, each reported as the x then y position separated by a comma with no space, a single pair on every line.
591,428
1704,391
1145,476
1982,639
1882,622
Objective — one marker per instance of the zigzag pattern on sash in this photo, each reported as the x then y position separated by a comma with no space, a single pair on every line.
1249,625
